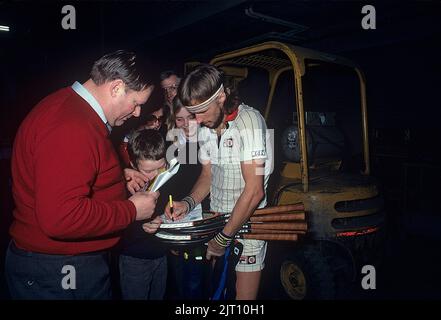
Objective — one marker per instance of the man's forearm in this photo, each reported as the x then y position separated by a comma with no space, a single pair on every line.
242,211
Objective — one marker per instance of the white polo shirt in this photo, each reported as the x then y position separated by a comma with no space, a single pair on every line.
246,139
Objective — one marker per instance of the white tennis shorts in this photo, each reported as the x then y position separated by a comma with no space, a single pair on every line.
253,255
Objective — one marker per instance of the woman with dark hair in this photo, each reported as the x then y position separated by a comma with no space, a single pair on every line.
154,113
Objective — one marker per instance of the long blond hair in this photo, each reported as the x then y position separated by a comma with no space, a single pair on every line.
176,107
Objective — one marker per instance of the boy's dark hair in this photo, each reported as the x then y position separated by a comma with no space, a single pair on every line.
145,144
134,72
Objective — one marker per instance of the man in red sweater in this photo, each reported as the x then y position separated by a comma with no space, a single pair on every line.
68,185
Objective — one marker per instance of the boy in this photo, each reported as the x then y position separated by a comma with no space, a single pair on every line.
142,261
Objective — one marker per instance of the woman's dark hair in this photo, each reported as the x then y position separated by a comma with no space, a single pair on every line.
134,72
145,144
154,103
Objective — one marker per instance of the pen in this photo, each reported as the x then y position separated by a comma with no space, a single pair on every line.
170,200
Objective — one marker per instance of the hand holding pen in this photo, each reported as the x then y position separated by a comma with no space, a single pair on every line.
175,210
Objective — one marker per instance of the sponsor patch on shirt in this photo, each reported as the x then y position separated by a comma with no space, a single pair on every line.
247,259
258,153
228,143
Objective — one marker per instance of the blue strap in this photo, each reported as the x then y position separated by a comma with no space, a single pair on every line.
223,279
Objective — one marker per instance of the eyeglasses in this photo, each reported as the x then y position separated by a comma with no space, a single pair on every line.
172,88
153,118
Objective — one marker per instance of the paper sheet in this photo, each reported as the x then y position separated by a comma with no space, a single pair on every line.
164,176
194,215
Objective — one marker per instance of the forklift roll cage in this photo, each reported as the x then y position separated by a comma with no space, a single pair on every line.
262,56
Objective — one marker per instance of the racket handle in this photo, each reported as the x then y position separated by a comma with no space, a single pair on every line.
300,226
279,217
280,209
266,236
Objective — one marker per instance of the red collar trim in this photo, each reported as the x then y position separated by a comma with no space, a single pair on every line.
232,115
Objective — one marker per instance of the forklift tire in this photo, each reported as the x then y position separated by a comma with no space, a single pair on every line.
307,275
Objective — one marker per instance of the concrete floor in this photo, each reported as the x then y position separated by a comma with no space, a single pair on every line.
409,270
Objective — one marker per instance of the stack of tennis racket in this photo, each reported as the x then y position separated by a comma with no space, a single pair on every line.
284,222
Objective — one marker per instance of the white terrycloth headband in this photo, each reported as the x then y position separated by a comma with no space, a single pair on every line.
201,107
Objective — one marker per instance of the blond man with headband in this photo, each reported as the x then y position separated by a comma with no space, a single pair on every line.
236,154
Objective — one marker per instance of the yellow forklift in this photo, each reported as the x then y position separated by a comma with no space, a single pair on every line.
315,104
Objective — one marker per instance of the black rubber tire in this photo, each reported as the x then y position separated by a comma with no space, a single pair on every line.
317,271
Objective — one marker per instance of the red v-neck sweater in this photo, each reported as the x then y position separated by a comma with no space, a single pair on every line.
67,182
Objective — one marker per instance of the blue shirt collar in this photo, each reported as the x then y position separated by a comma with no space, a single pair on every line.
90,99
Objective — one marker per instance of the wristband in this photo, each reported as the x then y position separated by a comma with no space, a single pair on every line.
223,240
190,203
